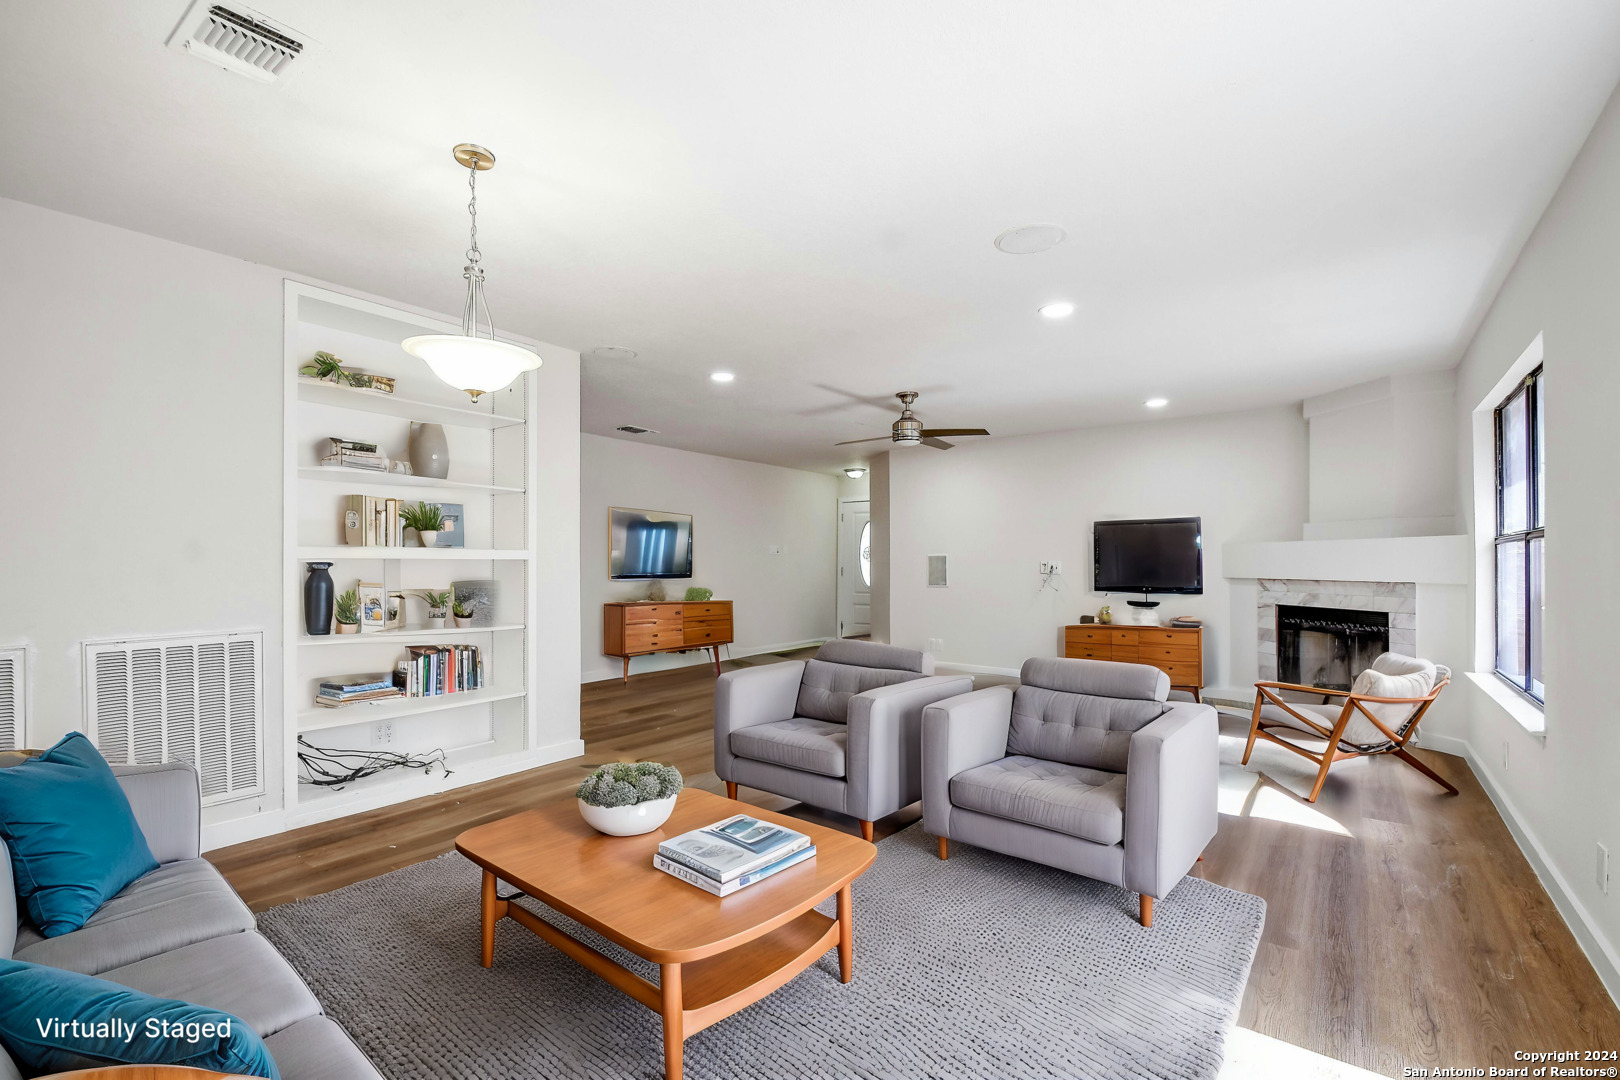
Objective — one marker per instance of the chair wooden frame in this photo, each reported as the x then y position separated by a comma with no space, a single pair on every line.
1261,728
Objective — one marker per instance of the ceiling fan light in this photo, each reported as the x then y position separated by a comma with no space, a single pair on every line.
477,365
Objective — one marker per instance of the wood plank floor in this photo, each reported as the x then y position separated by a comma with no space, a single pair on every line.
1404,927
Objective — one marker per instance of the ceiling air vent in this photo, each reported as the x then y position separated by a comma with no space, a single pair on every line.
634,430
238,39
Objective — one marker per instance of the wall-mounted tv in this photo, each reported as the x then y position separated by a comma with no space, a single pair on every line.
1160,555
648,544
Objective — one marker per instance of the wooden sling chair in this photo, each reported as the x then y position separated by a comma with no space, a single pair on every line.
1363,726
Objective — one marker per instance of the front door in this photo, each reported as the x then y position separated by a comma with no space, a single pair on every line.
854,568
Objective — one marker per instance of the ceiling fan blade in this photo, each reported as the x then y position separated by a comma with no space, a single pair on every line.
852,442
931,432
937,444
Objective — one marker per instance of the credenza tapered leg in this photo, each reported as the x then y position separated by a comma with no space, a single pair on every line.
627,670
674,1027
717,660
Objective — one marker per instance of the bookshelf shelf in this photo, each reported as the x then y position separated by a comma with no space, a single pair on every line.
347,397
416,635
337,552
336,474
370,712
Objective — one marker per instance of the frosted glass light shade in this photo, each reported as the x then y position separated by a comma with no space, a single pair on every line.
477,365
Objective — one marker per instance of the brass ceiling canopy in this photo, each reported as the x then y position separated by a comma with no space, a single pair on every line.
474,156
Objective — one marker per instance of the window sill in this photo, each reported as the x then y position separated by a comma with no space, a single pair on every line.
1524,712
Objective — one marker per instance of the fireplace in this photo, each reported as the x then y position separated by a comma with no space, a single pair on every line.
1328,647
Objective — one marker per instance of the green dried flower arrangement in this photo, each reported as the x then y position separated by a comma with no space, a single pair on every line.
626,783
696,594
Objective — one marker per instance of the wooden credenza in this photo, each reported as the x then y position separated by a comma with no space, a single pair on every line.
1175,650
643,627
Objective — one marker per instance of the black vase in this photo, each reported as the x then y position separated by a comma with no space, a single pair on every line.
318,598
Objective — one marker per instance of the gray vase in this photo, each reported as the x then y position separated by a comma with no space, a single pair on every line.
430,454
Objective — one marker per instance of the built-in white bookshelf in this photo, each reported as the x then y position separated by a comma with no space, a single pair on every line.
491,477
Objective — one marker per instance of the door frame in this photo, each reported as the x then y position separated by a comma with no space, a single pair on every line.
842,577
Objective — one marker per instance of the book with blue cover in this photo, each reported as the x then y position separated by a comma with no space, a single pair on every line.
733,847
726,888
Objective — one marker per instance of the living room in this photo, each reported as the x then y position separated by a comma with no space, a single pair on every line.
1081,473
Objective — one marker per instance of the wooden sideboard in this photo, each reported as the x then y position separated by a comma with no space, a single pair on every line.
1178,651
648,626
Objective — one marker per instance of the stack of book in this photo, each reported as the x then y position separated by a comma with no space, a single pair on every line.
369,521
346,454
732,854
432,670
346,690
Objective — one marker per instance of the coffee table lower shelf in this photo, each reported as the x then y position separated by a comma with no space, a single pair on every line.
692,995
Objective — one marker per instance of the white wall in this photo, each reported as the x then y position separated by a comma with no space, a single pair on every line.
999,507
739,509
1559,793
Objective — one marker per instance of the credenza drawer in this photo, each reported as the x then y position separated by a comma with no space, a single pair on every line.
1087,635
1088,652
1122,636
716,610
1188,638
698,635
647,639
1183,674
635,614
1125,654
1182,654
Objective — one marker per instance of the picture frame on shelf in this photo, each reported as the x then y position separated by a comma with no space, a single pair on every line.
373,607
481,596
395,618
453,534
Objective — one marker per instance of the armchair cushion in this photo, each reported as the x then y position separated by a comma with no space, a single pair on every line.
1071,799
808,745
1083,712
841,669
1395,676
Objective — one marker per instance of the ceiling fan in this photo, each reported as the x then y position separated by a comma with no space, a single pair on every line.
908,430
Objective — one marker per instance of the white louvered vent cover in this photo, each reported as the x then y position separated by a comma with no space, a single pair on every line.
238,39
194,699
936,572
13,698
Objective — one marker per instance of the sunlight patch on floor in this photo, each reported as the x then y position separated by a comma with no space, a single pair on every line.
1256,795
1253,1056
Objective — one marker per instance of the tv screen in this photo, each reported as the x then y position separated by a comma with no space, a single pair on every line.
648,544
1165,555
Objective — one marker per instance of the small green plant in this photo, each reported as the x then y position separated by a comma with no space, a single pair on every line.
438,601
626,783
348,608
697,594
423,517
462,610
325,366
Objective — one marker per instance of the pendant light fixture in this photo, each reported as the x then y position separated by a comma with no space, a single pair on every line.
471,361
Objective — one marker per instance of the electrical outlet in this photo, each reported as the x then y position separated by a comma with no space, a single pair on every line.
936,645
1603,869
382,732
773,549
1051,568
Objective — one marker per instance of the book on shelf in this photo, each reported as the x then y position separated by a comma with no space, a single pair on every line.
733,847
351,699
355,461
436,670
742,881
369,521
335,445
354,684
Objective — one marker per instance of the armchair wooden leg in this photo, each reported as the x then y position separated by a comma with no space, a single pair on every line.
1147,910
1328,756
1412,760
944,849
866,831
1254,729
731,790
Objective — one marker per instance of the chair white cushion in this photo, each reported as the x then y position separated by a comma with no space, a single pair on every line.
1395,676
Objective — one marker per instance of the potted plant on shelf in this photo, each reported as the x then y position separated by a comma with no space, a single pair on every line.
427,519
463,613
628,798
438,607
347,611
325,368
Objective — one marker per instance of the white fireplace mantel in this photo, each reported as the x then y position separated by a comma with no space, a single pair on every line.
1425,560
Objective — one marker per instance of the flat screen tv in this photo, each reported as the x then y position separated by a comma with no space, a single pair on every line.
648,544
1160,555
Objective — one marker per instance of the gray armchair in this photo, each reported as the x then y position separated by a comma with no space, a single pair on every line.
840,731
1085,767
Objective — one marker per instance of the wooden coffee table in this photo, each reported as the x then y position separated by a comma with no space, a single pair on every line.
717,955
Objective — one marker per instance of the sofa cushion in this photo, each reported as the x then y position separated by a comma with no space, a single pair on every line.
825,690
317,1049
1071,799
808,745
53,1020
173,906
1083,712
241,974
72,836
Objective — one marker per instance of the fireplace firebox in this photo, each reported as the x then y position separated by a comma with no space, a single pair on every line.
1328,647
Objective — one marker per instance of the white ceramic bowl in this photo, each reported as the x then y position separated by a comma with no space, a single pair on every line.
628,820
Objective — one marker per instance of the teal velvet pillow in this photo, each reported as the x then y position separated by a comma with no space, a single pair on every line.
53,1020
73,838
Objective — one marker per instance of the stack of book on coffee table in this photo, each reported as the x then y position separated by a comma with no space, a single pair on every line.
732,854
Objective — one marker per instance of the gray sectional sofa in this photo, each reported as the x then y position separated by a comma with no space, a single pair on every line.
181,932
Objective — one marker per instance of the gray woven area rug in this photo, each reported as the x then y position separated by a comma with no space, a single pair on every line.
982,966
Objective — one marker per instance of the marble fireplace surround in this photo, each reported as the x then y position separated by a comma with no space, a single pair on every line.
1398,598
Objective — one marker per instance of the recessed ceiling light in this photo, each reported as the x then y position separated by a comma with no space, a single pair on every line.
612,352
721,376
1062,309
854,474
1156,402
1028,239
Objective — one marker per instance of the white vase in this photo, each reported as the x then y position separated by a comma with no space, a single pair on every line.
435,622
427,537
628,820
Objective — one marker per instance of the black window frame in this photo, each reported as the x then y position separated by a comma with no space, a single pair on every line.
1535,529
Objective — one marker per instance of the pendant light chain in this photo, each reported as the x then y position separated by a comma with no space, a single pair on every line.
474,272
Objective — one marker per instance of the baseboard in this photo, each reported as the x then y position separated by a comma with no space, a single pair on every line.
729,652
241,830
1599,951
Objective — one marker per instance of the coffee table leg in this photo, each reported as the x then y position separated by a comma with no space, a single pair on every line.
492,912
674,1026
846,942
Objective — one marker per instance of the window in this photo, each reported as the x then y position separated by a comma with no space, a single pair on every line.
1520,536
866,554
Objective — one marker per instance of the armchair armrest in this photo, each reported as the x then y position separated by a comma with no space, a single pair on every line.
958,734
750,696
885,742
168,807
1301,689
1171,808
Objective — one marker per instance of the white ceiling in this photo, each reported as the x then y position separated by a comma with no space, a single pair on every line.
1265,199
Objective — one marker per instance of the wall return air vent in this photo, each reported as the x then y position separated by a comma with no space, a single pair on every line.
238,39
